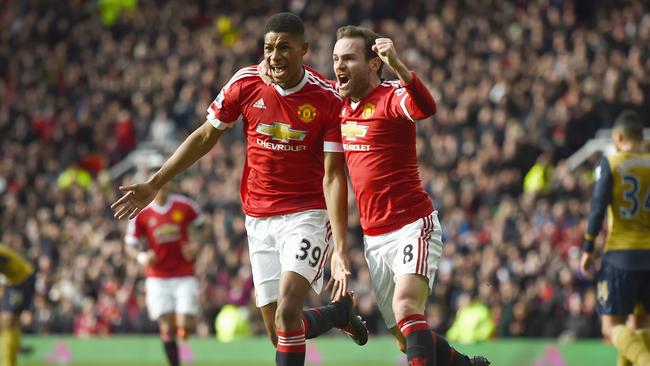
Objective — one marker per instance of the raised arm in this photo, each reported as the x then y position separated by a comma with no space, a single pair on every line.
417,102
385,48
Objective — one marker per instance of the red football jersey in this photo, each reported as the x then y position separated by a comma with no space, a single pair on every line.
166,229
378,136
286,132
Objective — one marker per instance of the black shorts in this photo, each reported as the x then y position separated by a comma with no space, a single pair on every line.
619,290
19,297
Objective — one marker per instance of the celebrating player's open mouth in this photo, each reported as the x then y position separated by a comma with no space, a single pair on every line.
343,80
279,71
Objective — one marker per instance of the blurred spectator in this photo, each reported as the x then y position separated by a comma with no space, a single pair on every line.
473,321
539,178
232,323
581,321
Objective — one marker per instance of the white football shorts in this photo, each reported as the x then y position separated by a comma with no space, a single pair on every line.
178,295
298,242
414,248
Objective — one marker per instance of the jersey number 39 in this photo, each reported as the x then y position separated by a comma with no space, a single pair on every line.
303,253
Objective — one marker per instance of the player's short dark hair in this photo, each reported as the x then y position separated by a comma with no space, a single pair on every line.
285,23
630,124
369,37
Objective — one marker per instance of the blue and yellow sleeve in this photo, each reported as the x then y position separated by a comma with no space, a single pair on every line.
601,198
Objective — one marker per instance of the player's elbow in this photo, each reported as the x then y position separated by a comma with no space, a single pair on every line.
424,111
334,179
433,109
429,109
206,136
328,182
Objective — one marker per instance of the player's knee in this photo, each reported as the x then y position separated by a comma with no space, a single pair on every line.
288,315
403,307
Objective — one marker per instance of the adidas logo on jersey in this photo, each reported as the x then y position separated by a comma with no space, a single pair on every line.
259,104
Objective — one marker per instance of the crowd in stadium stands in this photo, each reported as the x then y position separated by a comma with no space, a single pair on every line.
520,86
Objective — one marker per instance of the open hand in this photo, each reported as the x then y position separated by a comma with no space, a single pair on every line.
340,267
135,198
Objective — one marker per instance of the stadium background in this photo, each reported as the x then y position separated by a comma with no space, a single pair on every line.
520,86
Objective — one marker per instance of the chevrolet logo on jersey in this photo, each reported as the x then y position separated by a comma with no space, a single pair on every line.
167,233
281,132
351,130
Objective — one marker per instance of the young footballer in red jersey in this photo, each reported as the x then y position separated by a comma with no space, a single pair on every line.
294,178
171,287
402,235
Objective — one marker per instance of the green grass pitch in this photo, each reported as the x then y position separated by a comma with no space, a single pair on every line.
326,351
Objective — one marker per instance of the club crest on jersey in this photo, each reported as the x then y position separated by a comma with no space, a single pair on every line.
306,112
350,130
367,110
281,132
177,216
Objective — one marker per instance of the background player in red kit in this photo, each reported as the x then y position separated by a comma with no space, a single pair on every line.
294,166
402,235
171,287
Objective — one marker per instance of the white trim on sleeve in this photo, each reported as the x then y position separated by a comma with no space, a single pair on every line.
220,125
198,221
129,237
330,146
